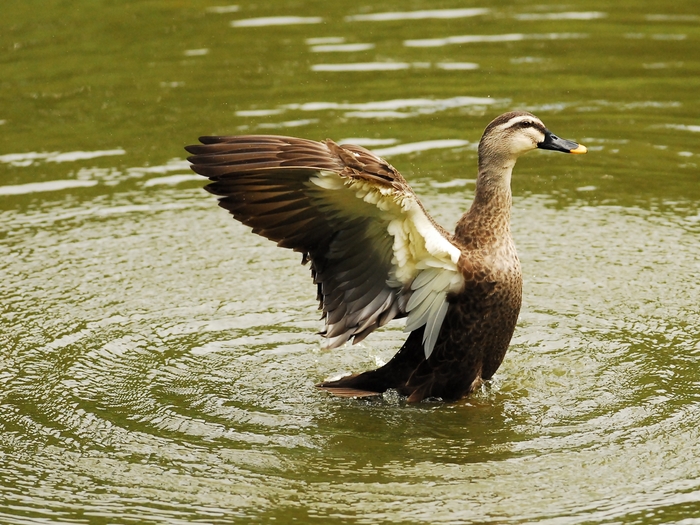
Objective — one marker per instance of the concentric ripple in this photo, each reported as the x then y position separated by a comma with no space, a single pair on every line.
166,362
157,360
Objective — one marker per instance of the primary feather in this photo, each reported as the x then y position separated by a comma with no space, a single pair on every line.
350,213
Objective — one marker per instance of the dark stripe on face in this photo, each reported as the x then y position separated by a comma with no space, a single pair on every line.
529,124
507,117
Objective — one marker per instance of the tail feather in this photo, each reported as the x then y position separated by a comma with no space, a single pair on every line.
366,384
350,386
394,374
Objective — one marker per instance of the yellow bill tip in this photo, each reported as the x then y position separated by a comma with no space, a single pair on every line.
579,149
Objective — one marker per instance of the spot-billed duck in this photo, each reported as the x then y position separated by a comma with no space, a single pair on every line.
377,255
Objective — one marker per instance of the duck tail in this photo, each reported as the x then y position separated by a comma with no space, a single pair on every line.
394,374
355,385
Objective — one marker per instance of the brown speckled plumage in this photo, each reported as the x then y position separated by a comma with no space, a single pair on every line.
377,255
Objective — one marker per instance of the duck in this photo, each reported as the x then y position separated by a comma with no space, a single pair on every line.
377,255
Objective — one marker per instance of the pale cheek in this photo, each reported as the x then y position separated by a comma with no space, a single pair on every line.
524,144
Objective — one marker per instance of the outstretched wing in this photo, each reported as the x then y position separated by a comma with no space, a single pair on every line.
375,253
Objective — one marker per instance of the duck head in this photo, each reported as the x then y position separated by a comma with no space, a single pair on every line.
517,132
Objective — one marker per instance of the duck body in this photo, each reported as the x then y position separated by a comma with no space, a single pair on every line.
475,333
376,254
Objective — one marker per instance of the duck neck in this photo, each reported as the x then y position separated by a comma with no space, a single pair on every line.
488,219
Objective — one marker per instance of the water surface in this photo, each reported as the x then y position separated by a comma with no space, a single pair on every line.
157,360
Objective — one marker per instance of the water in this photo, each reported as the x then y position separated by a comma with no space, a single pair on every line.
157,360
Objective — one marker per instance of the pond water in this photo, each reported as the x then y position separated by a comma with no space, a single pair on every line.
157,360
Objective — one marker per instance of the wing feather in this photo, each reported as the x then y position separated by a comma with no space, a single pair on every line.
375,253
433,325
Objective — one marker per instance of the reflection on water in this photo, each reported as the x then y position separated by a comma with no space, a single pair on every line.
345,48
419,15
27,159
672,18
588,15
457,65
157,360
510,37
414,147
392,66
38,187
361,66
694,129
196,52
397,108
276,21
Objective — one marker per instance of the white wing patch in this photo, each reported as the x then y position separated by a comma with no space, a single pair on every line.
431,269
424,262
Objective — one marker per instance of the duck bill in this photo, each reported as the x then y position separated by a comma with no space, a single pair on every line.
551,141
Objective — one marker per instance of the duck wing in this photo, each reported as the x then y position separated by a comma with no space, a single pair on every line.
375,252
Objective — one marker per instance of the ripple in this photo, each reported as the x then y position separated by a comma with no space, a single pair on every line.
566,15
172,180
399,103
684,127
27,159
178,364
276,21
157,360
258,112
361,66
669,36
418,15
471,39
394,108
196,52
413,147
457,66
289,123
39,187
340,48
672,18
223,9
662,65
325,40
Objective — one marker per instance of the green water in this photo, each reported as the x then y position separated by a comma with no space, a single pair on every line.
157,360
